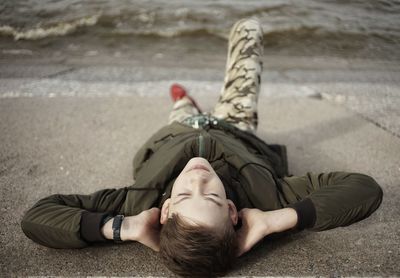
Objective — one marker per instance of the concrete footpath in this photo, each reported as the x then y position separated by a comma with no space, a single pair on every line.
67,128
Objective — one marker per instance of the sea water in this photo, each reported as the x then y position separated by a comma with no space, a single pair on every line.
344,25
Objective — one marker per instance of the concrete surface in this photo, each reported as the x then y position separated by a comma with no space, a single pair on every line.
69,128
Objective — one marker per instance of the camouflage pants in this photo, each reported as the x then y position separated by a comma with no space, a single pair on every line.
237,103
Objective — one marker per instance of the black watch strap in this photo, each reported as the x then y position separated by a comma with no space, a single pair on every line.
116,226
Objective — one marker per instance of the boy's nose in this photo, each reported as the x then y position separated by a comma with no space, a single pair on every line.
198,180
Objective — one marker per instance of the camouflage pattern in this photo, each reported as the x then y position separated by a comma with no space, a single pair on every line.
182,110
237,103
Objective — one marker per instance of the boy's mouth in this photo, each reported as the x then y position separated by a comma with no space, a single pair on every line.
198,167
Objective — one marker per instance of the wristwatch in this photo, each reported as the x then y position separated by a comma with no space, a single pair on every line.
116,227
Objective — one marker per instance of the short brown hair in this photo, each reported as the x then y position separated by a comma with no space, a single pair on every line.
195,250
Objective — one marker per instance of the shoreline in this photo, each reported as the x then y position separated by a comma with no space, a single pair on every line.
189,51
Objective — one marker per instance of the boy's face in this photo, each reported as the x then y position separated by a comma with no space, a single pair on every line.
199,195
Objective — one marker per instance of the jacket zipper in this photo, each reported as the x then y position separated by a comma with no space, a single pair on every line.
201,145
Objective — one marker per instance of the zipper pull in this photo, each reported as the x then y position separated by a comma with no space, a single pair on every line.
196,124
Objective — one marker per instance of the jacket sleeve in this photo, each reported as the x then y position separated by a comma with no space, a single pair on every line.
328,200
71,221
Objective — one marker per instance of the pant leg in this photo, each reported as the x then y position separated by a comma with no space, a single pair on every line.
182,109
237,103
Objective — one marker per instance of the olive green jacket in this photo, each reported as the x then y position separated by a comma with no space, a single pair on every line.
254,175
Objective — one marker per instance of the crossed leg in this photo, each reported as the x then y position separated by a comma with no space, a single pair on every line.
237,103
183,109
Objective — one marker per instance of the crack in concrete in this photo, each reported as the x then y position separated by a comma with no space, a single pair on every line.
330,98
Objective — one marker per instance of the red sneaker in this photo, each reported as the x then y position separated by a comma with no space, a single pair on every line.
177,92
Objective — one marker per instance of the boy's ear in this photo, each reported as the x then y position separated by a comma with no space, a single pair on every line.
233,214
165,211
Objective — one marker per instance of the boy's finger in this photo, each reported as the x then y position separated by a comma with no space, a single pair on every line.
242,212
239,234
241,248
244,241
241,251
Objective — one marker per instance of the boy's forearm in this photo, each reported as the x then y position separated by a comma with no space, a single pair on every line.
127,231
106,230
282,219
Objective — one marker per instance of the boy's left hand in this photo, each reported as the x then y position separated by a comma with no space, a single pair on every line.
254,228
257,224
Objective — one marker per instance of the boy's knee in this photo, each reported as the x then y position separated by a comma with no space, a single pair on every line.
249,24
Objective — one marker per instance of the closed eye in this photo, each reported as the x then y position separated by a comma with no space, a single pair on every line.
213,194
186,196
183,194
